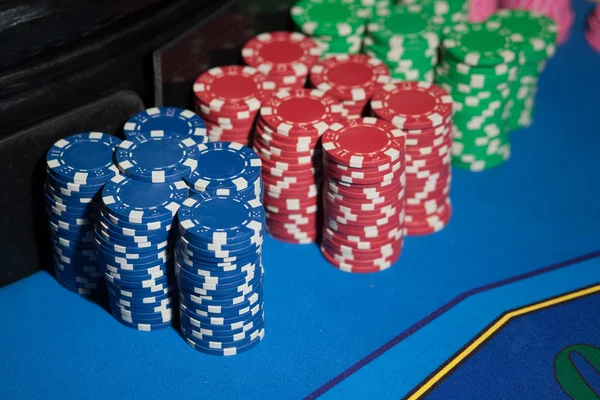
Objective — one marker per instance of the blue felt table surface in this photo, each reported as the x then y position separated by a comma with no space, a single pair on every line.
540,208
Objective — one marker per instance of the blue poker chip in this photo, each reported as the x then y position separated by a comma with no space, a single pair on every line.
219,289
228,351
137,283
256,321
213,265
136,302
145,308
204,277
214,219
222,251
140,241
168,119
242,290
196,299
158,157
225,168
139,202
135,229
145,327
222,256
226,312
84,158
73,189
224,341
221,323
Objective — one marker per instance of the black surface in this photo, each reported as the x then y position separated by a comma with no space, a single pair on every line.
24,242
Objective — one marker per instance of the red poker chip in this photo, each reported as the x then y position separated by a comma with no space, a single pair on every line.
364,193
265,154
377,185
291,218
308,179
305,138
285,141
300,112
287,166
301,174
368,216
418,142
306,232
348,266
267,143
288,204
360,172
350,76
359,221
281,53
300,185
360,244
366,232
412,105
440,130
290,208
365,180
363,142
286,152
231,88
427,228
293,240
362,204
429,207
357,261
225,117
383,253
439,150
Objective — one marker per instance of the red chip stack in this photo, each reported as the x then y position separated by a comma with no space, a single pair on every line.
287,136
364,172
424,112
350,78
284,57
592,33
228,99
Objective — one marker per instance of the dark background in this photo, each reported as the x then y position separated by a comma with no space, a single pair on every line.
71,66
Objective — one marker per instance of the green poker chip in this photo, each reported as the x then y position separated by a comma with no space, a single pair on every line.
329,17
480,44
406,26
536,33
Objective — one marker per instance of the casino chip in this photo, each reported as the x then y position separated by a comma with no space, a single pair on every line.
158,156
284,57
479,66
287,135
364,189
424,113
537,35
592,33
351,79
219,273
228,99
77,167
133,242
560,11
166,119
406,39
226,168
337,26
452,11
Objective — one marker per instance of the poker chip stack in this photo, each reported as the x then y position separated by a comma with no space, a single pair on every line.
592,33
351,79
338,26
452,11
560,11
406,39
227,168
133,235
424,113
166,119
287,139
364,171
77,168
479,65
228,98
480,10
284,57
536,34
219,273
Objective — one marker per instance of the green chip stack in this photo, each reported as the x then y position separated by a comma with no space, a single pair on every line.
453,11
338,26
537,35
407,39
478,66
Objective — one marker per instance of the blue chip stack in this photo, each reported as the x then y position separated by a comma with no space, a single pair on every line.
132,242
166,119
77,167
219,272
226,169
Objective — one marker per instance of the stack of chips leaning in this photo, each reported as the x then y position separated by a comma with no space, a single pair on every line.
406,39
536,34
219,271
287,139
560,11
479,64
77,168
133,235
351,79
592,32
338,26
424,113
452,11
228,99
364,172
285,58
